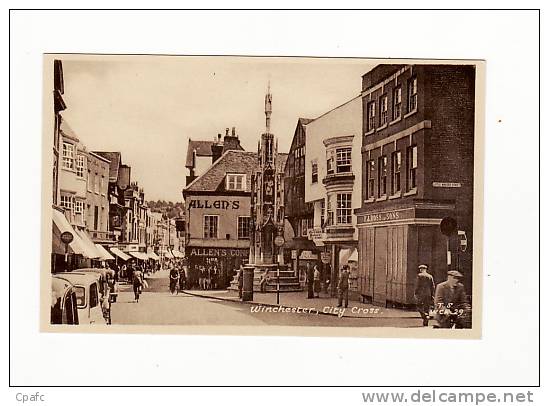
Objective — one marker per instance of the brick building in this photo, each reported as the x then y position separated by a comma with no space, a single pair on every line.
417,168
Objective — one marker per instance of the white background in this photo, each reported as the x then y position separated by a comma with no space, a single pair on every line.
506,355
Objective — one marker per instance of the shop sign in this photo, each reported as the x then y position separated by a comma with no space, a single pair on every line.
67,237
218,252
386,216
308,255
279,241
314,234
294,254
214,204
447,184
325,257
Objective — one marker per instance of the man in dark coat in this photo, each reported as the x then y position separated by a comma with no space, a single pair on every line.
451,302
310,281
343,286
424,293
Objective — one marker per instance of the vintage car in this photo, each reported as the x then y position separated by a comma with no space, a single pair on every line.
88,299
63,302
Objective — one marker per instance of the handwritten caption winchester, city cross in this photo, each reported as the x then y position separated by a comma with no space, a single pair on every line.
338,311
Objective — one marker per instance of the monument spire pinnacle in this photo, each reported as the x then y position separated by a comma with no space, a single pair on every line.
268,108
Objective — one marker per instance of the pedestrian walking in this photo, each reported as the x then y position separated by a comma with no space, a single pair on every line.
343,286
451,306
240,279
316,281
137,283
424,293
310,281
182,279
174,277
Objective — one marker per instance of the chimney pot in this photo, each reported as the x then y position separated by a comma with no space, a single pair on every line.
234,131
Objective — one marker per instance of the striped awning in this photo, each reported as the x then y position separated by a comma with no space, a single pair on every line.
105,256
122,255
139,255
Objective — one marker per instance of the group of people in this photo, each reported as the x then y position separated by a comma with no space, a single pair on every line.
446,303
314,277
209,277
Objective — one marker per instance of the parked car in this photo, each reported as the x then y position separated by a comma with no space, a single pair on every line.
88,300
63,302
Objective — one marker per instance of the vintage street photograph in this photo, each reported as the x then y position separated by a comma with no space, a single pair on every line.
198,193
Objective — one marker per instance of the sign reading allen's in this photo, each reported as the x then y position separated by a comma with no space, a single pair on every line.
219,252
216,204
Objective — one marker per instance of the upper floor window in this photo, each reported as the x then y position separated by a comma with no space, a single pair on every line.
397,103
80,166
243,227
89,181
236,182
210,226
102,185
78,207
314,171
412,94
383,110
382,176
411,159
330,164
343,162
396,165
344,209
371,116
96,183
330,211
66,201
68,155
370,170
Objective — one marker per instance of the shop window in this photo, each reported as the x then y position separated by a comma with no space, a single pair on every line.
343,162
396,165
314,171
68,156
236,182
383,110
382,176
210,226
344,209
412,94
243,227
371,116
411,163
80,166
370,169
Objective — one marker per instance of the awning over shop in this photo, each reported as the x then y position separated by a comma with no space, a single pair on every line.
168,255
354,256
178,254
139,255
347,255
91,251
105,256
152,255
122,255
61,222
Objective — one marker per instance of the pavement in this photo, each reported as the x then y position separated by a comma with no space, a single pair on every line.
324,305
157,306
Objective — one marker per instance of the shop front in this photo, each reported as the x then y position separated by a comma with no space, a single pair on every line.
392,244
222,263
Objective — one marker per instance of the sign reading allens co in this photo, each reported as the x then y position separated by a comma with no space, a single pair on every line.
386,216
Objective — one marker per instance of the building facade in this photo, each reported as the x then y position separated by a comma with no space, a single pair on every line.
417,168
97,200
217,213
332,186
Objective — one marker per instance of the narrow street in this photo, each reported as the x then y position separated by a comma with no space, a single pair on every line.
158,307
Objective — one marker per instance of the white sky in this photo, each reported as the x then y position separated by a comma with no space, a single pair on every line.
148,107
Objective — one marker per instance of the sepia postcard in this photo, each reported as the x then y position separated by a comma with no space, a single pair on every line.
262,195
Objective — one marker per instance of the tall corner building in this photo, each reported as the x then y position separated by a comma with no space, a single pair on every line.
417,168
